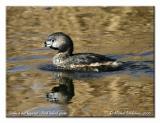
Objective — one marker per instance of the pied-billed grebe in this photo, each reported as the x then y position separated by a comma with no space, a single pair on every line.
65,59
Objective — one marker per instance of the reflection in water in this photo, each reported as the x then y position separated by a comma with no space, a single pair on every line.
62,93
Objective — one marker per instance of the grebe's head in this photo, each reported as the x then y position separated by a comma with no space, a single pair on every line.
60,41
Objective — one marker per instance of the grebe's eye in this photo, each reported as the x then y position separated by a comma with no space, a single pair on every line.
52,40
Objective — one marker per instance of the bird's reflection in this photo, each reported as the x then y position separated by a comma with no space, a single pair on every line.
62,93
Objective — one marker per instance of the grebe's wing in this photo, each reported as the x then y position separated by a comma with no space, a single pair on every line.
88,58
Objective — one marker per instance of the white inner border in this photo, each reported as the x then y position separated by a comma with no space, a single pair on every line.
4,3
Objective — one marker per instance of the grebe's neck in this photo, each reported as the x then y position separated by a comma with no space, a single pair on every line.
68,52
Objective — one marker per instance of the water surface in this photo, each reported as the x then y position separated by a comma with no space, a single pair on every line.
35,88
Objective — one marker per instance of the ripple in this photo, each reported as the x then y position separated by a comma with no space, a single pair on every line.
19,68
119,56
25,58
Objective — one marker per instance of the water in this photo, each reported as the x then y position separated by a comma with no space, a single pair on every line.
36,88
